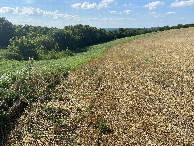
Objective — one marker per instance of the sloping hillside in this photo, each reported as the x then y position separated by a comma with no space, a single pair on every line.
137,93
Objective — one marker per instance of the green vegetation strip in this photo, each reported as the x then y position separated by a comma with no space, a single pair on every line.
72,62
13,67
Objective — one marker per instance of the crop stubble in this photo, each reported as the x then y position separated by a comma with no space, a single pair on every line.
142,91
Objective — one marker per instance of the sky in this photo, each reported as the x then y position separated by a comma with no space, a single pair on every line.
98,13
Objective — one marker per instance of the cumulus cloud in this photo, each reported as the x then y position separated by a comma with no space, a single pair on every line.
153,5
126,5
169,13
9,10
123,12
115,12
182,3
76,5
87,5
29,11
116,19
104,3
156,15
127,11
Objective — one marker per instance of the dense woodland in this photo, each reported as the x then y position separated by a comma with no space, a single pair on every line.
21,42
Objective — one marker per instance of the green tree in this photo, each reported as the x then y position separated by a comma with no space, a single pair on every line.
6,31
36,47
24,47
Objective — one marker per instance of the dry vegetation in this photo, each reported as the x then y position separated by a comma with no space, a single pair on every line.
137,93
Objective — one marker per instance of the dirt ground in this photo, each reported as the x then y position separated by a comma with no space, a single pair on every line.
137,93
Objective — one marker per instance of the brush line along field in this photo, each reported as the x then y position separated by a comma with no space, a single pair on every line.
137,93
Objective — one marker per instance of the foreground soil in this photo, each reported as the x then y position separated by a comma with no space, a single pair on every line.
137,93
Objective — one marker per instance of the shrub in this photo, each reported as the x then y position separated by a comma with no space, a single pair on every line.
7,54
23,46
34,47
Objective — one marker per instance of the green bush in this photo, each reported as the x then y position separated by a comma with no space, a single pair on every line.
7,54
38,47
23,46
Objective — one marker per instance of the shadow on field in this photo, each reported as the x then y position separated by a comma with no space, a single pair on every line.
8,121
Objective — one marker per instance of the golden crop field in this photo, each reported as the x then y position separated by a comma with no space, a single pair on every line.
137,93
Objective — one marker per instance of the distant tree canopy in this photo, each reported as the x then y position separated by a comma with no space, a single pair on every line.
7,31
35,41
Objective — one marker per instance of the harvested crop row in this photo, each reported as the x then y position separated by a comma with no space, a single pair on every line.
138,93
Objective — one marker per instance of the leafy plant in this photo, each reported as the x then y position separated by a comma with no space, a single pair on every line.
102,126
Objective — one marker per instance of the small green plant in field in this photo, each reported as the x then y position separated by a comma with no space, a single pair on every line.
36,135
73,144
30,124
98,80
80,118
101,93
78,108
90,107
102,126
55,114
91,71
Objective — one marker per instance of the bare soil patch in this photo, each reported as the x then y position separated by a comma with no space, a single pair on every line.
137,93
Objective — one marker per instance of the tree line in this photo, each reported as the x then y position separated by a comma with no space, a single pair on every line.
24,41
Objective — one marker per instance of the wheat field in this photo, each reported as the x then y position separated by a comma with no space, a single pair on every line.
136,93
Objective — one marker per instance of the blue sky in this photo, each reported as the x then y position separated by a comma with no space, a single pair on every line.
98,13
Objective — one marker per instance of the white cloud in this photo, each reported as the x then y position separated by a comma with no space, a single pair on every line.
169,13
156,15
9,10
91,19
124,12
182,3
153,5
108,19
76,5
104,3
29,11
129,4
115,12
116,19
127,11
87,5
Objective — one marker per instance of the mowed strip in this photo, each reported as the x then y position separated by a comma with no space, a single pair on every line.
137,93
